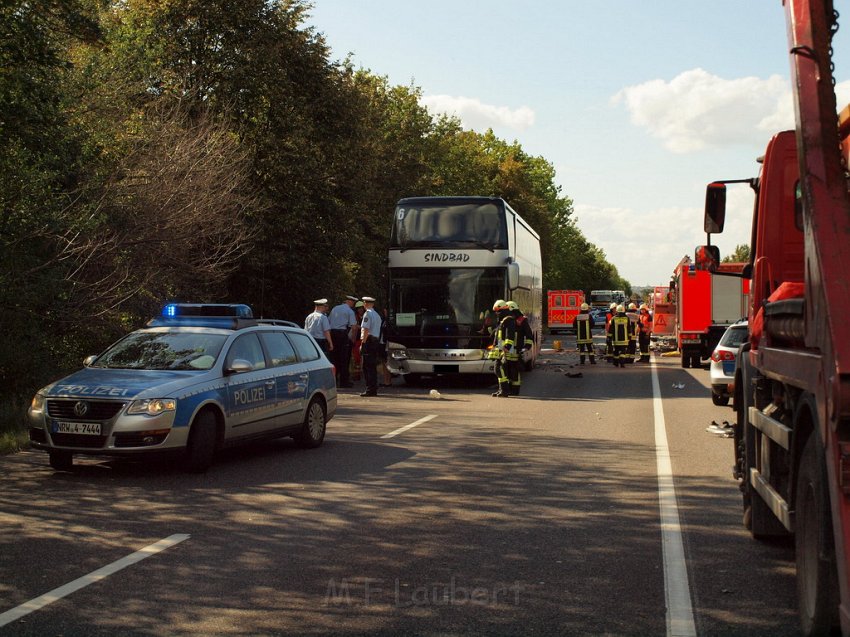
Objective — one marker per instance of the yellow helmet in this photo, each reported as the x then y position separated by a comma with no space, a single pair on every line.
613,306
584,307
632,306
620,308
643,306
499,305
511,305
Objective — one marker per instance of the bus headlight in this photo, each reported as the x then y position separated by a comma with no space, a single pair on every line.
152,406
399,354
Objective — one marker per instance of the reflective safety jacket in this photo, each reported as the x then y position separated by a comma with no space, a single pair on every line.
507,335
619,329
645,322
583,323
524,335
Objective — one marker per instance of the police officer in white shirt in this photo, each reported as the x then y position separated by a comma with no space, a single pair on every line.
343,322
319,327
370,333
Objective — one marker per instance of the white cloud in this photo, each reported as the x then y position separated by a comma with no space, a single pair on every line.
646,246
698,110
476,115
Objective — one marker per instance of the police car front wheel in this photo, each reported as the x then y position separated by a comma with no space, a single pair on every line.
200,450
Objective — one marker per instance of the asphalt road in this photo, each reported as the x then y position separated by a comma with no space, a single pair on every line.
534,515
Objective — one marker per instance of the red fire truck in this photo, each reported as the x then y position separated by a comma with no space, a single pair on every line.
792,384
705,305
563,306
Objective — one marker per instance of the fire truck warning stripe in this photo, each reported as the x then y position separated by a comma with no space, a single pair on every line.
677,592
95,576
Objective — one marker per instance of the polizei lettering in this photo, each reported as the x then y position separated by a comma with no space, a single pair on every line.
248,396
446,257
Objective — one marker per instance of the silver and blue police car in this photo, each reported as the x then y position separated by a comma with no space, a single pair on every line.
196,379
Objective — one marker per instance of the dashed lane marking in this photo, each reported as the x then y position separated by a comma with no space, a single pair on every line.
401,430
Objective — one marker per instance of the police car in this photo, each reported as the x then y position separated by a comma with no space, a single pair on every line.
196,379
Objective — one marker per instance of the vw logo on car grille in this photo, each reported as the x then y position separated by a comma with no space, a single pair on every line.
81,409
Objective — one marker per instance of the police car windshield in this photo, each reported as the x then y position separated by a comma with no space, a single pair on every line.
163,350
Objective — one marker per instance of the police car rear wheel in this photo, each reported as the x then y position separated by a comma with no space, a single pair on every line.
313,431
200,450
61,460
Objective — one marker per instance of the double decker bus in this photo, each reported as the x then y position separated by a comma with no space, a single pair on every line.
450,259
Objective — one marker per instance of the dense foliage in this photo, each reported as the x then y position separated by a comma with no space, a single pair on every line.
210,150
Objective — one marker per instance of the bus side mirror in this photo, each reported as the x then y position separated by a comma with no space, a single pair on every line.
707,258
715,208
513,276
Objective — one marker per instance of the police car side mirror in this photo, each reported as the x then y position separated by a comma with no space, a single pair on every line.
87,362
239,366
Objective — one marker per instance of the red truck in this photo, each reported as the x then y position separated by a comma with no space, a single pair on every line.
706,304
792,383
562,307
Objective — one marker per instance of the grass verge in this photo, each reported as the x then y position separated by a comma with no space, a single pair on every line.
13,426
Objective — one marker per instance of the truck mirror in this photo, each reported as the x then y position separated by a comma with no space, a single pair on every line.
513,276
715,208
707,258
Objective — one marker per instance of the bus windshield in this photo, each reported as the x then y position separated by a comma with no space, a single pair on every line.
445,307
436,224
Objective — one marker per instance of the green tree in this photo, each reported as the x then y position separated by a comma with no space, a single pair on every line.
740,255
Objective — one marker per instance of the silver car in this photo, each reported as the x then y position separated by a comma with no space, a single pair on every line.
722,367
196,379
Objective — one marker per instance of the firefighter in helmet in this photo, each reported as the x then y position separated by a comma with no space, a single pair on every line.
524,341
618,328
632,314
644,332
609,347
504,344
583,324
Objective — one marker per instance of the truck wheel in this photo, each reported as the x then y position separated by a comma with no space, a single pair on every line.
61,460
817,577
200,449
312,432
696,361
686,359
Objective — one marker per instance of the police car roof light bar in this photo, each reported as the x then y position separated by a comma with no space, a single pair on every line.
237,310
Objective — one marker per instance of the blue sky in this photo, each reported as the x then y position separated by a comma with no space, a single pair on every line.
637,103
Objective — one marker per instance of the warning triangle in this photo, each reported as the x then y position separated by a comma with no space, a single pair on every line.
660,320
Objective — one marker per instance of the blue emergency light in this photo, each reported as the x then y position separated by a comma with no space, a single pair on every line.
222,315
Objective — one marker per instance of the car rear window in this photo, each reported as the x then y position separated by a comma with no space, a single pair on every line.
734,336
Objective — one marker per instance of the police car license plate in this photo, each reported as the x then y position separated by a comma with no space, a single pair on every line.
84,428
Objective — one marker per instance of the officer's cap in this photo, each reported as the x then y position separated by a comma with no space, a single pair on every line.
351,298
368,299
320,302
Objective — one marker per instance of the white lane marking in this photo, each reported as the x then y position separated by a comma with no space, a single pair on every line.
401,430
95,576
677,592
